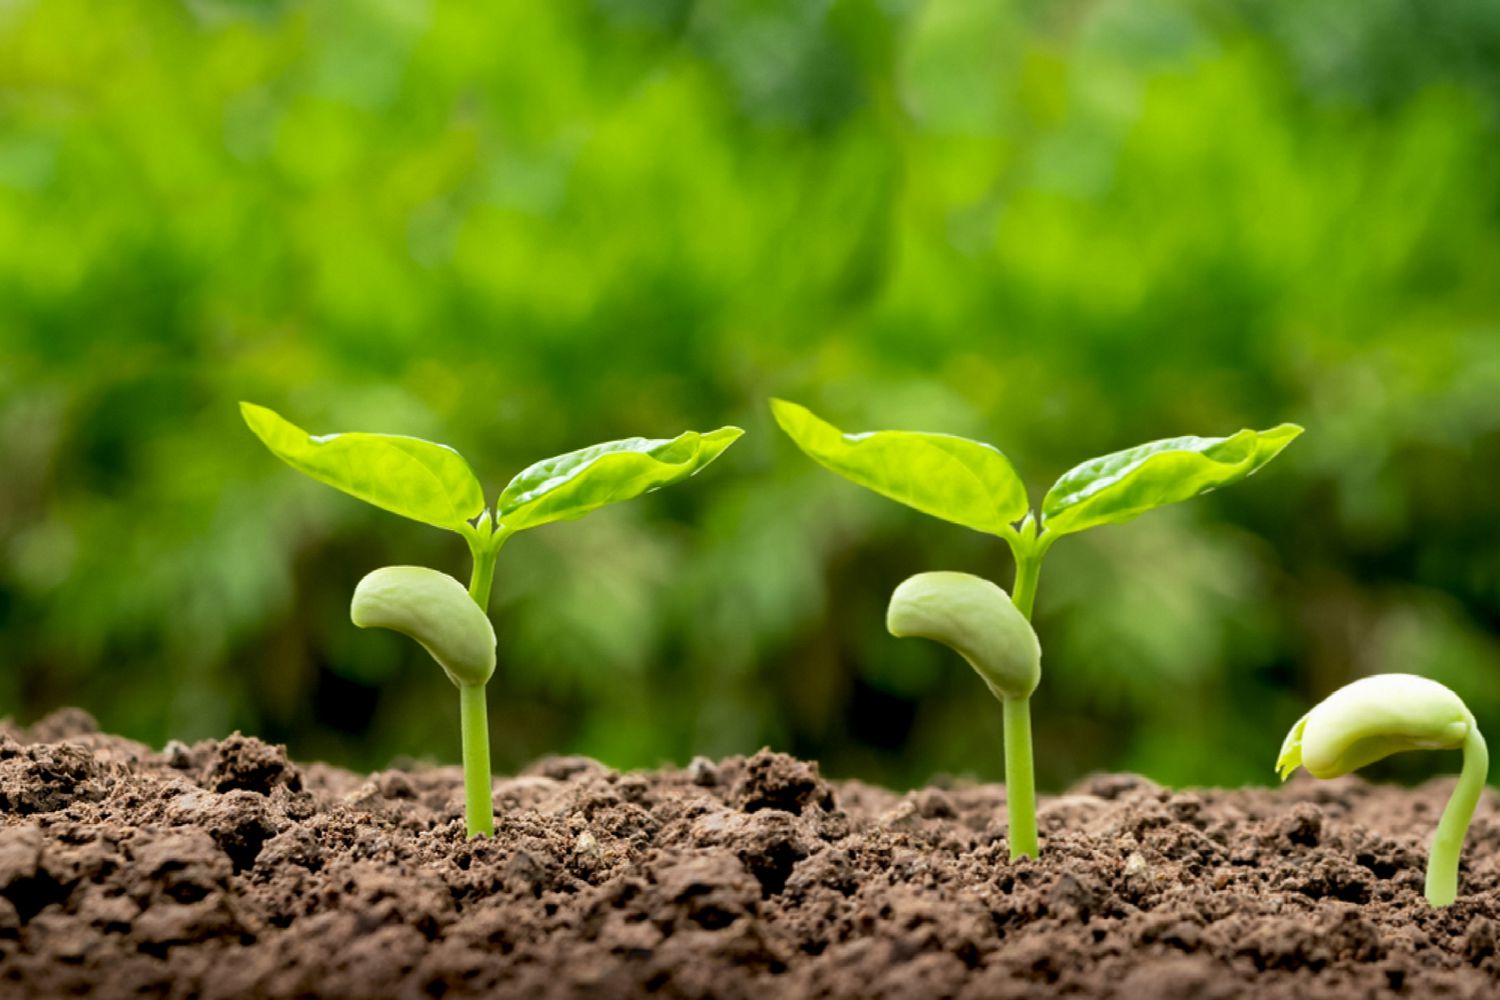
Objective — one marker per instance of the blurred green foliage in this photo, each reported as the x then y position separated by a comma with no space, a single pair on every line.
522,228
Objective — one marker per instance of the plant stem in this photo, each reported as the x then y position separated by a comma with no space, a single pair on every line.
1448,841
1028,569
479,808
479,803
1020,775
485,548
1020,783
482,579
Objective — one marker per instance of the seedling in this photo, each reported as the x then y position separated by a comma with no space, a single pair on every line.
973,484
1375,717
977,620
433,484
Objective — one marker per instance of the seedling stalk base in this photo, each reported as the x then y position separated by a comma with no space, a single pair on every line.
1020,776
478,803
1020,780
1448,841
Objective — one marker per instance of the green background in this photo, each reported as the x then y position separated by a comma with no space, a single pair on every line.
1061,227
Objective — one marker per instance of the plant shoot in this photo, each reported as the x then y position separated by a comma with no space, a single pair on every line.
973,484
433,484
977,620
1377,716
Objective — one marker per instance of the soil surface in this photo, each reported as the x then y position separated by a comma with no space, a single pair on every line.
225,870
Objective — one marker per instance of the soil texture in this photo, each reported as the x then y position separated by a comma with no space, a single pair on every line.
223,869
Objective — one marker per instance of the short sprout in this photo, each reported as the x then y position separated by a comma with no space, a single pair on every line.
1377,716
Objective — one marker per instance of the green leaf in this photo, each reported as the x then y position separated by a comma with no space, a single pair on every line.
571,485
1290,757
1123,485
966,482
405,475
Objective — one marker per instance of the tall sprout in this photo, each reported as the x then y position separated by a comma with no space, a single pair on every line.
433,484
973,484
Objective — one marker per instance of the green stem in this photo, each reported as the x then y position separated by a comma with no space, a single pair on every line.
485,548
1448,841
479,808
1020,782
482,579
479,803
1020,775
1028,569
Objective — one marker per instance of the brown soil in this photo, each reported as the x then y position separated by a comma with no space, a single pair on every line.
224,870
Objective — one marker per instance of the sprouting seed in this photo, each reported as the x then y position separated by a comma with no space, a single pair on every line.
1377,716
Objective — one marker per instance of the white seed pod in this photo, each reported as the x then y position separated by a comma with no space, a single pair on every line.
1373,718
977,620
434,609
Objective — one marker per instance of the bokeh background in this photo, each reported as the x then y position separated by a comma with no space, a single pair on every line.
1062,227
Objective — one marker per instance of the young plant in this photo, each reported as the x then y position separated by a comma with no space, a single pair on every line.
433,484
1377,716
977,620
973,484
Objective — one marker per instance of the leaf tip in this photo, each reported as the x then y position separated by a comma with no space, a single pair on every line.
1292,431
260,419
784,410
1290,757
715,442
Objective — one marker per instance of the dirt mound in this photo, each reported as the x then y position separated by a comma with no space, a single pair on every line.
226,870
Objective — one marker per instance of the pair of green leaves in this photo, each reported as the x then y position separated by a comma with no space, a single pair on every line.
974,484
432,483
966,482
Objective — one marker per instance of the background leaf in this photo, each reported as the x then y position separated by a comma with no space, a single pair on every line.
959,480
1125,484
569,486
404,475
